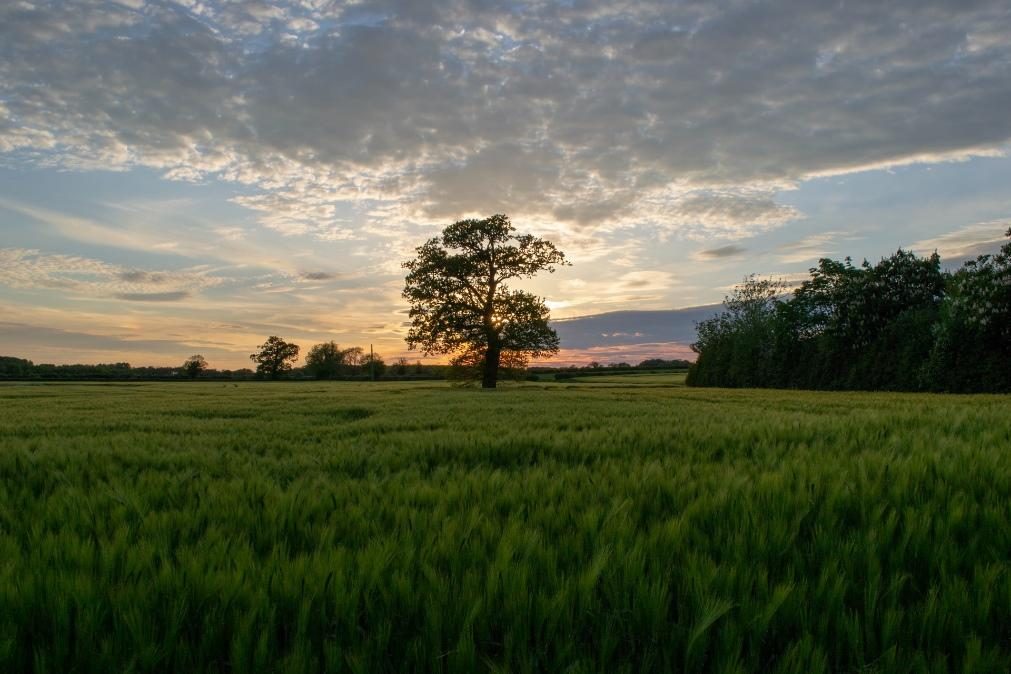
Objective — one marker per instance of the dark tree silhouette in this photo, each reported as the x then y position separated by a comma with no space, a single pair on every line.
325,361
460,303
275,357
194,366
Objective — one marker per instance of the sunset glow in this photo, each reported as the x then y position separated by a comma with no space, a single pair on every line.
190,177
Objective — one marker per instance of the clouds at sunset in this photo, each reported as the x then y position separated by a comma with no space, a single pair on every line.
309,146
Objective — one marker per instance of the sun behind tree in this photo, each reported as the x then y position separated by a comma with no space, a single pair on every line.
460,303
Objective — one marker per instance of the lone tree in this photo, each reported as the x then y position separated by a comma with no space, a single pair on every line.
275,357
194,366
460,303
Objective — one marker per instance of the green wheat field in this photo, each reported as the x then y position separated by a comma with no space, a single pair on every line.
618,524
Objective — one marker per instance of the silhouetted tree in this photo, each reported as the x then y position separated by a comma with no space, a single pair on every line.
400,366
373,364
325,361
460,302
194,366
275,357
354,359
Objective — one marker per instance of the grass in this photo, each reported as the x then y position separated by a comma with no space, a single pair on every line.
351,527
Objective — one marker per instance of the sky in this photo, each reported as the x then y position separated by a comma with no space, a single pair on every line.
193,176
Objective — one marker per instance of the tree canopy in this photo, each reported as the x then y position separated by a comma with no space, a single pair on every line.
461,302
275,357
902,324
195,366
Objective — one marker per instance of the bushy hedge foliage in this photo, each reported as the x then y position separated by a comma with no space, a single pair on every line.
902,324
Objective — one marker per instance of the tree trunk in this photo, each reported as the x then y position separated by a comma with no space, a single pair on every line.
491,360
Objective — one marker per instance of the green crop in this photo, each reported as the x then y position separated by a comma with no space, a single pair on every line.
585,527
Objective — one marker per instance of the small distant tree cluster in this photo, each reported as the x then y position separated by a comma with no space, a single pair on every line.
329,361
902,324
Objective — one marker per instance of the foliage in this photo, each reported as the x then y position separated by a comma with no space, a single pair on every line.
461,303
373,365
275,357
902,324
194,366
324,361
415,528
731,345
973,346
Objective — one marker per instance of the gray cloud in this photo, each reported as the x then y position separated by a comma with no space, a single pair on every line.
732,250
317,276
139,276
687,116
15,336
172,296
632,327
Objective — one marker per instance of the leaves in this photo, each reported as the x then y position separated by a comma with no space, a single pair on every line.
275,357
461,301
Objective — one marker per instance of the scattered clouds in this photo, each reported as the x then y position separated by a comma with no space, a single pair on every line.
685,117
721,213
32,269
967,242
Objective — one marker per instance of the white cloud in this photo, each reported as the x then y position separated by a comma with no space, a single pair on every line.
71,274
966,242
685,117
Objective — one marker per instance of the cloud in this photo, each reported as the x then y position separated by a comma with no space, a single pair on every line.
45,342
625,353
632,327
140,276
71,274
171,296
811,248
687,117
966,242
317,276
730,250
721,213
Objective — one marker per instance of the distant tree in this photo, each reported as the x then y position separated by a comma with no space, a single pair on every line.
461,303
354,359
11,367
400,366
194,366
325,361
373,364
275,357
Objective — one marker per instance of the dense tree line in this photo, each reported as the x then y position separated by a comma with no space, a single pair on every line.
275,359
20,368
901,324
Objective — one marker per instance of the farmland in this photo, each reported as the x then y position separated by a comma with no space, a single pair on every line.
597,526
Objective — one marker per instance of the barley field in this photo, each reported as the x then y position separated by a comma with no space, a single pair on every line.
570,527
